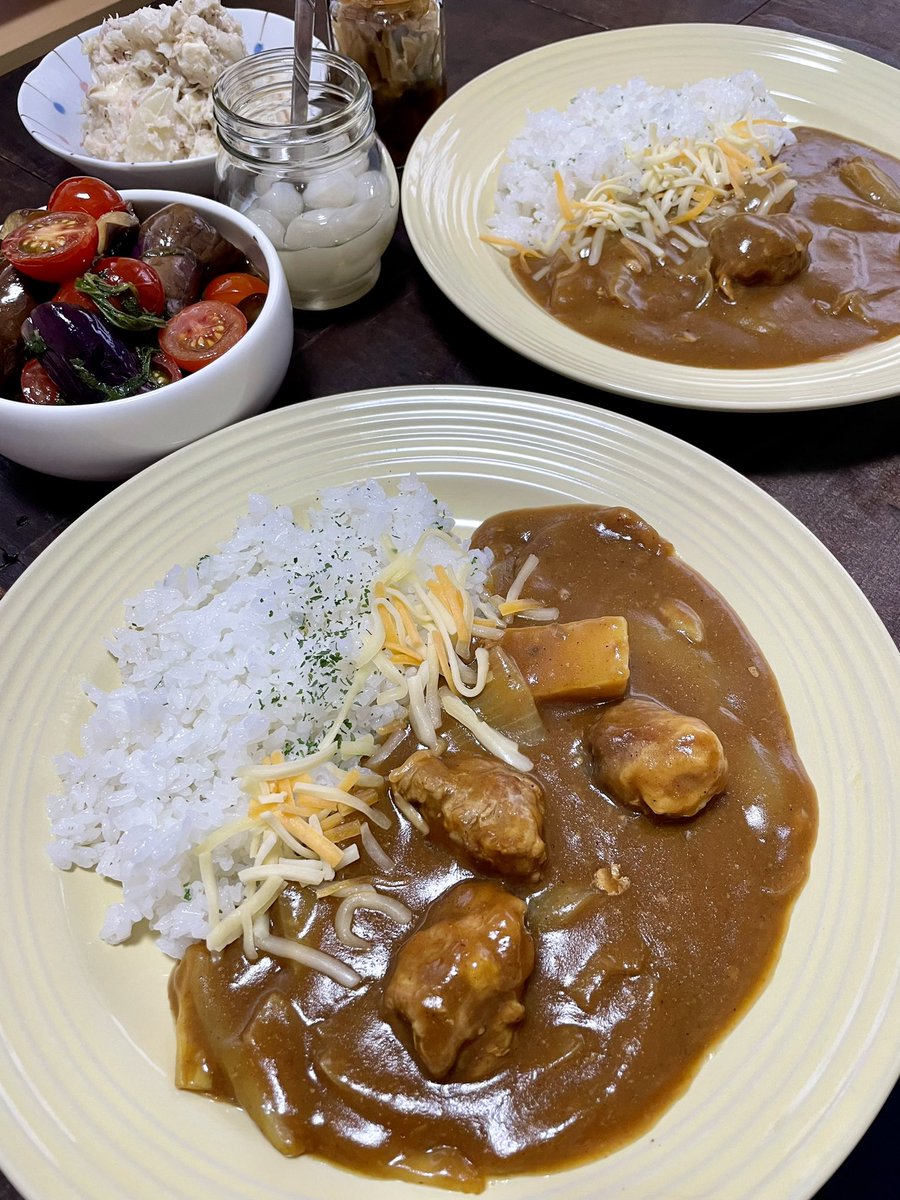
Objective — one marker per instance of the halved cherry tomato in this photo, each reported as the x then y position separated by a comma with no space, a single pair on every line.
147,285
69,294
37,386
84,193
163,369
202,332
54,247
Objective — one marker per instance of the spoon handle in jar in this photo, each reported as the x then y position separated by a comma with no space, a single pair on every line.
304,22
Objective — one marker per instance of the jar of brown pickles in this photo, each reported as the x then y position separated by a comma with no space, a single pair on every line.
400,46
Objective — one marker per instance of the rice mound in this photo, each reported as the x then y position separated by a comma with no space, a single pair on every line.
602,135
250,651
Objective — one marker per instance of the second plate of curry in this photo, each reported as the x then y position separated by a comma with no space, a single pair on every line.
804,344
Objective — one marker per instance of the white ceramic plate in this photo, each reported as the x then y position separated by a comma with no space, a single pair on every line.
450,179
86,1042
52,95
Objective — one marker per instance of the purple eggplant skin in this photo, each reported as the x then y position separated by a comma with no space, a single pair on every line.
16,302
69,334
181,276
177,229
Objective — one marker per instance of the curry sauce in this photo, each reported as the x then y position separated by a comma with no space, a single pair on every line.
651,935
846,295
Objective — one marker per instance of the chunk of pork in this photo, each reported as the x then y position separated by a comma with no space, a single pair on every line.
647,756
456,984
492,811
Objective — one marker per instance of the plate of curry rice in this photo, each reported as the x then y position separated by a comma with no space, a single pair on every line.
668,212
712,1007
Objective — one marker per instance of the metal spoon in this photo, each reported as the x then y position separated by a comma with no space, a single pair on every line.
304,21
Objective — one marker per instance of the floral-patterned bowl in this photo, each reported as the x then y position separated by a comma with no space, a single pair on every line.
51,101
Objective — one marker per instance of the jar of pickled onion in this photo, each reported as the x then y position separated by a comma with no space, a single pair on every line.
325,189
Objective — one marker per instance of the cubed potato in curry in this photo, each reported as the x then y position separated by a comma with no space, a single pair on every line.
577,660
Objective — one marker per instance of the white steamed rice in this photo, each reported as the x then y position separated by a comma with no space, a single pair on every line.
601,135
246,653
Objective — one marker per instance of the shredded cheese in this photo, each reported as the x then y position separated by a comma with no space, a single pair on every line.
306,816
496,743
681,182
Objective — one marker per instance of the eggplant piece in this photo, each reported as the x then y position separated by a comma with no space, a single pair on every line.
16,303
177,229
85,359
115,232
19,216
181,275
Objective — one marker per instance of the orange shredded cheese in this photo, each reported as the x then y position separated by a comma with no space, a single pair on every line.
452,598
742,159
522,251
511,608
309,836
342,832
565,206
705,197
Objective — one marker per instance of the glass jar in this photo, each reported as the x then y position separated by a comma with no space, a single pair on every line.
400,46
324,190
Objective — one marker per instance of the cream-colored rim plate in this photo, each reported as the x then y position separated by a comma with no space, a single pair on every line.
86,1045
450,179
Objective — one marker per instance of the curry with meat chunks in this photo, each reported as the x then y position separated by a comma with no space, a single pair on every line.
766,284
582,931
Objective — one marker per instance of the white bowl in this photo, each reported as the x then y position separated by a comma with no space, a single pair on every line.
52,95
116,438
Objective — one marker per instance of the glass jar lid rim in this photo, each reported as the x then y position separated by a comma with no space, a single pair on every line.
283,56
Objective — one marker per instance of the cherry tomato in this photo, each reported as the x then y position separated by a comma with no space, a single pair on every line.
145,281
164,369
37,386
247,292
54,247
69,294
235,288
202,332
84,193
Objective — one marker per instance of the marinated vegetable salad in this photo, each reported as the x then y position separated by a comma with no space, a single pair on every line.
95,305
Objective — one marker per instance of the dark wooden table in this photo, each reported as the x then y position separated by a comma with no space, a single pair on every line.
837,470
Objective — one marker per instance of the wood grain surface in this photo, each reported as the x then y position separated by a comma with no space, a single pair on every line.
837,470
